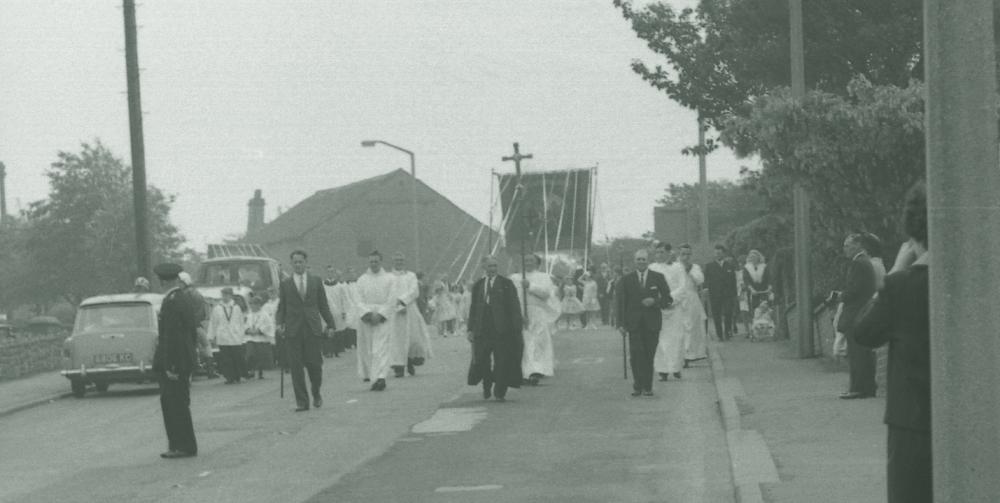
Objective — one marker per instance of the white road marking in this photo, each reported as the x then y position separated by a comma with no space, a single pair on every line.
458,489
353,400
204,474
588,360
451,419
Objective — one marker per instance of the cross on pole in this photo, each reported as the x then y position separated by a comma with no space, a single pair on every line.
519,190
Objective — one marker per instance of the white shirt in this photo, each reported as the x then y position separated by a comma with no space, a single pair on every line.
226,325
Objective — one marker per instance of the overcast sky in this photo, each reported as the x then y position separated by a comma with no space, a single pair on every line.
277,95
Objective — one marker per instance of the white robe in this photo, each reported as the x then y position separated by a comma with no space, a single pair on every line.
336,308
410,337
374,295
670,350
223,331
543,311
696,344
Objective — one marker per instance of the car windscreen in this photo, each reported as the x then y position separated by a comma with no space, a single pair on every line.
123,316
250,274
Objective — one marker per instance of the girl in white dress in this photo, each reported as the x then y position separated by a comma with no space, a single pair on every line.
591,307
444,310
571,306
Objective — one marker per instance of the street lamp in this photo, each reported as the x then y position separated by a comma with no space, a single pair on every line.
413,175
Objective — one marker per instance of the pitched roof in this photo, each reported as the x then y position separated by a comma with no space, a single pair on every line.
318,208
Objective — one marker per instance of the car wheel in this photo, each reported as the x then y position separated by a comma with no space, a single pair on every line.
79,387
102,386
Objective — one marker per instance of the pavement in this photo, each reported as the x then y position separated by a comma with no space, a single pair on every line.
754,423
816,447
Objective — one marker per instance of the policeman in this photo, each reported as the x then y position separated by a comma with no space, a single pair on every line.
175,358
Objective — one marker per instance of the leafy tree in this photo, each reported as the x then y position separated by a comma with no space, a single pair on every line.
856,155
728,52
82,238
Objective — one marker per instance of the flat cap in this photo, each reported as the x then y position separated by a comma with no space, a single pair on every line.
167,271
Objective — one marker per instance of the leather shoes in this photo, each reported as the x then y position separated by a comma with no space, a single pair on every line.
647,393
636,393
317,402
663,376
853,395
487,392
677,375
301,408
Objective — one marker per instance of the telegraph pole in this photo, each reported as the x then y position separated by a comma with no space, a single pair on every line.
3,194
703,180
962,186
135,134
803,274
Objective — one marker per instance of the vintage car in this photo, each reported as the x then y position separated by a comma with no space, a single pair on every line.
113,341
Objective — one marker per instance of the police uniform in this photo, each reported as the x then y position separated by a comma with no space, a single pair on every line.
176,353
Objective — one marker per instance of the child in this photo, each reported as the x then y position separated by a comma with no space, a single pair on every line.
763,323
445,311
260,338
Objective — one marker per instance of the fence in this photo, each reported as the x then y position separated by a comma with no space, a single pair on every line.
22,357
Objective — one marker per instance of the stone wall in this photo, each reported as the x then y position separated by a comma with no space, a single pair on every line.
22,357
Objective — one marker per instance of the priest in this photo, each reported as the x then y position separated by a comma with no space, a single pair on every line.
374,307
669,359
411,344
543,311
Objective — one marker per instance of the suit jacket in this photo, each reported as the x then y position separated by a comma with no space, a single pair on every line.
177,341
504,307
859,286
602,287
721,279
635,317
301,316
901,317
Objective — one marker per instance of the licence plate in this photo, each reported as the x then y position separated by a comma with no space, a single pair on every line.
112,358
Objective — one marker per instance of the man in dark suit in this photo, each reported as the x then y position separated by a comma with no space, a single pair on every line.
859,286
302,309
495,325
603,278
173,361
641,297
720,279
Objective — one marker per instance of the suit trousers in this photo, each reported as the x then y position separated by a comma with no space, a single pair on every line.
909,466
490,361
862,368
304,352
605,303
642,350
723,314
175,402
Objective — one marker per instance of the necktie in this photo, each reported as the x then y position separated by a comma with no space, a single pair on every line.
302,286
642,279
489,286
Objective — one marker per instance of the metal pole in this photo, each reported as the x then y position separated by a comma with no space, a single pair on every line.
416,213
3,193
703,180
489,239
135,134
803,274
962,186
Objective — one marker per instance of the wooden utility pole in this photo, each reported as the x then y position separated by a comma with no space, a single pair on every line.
703,180
963,183
803,274
135,134
3,194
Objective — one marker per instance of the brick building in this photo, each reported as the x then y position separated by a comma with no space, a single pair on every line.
342,225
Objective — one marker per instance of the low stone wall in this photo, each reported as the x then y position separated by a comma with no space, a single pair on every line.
25,356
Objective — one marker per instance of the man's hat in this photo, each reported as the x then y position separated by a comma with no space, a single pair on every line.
167,271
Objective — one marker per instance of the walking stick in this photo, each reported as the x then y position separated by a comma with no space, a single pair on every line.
624,355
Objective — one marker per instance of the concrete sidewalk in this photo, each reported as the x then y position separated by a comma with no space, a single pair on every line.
825,449
27,392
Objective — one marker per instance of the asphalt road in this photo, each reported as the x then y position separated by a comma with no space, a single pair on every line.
577,437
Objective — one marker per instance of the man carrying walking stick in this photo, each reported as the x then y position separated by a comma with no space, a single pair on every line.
642,295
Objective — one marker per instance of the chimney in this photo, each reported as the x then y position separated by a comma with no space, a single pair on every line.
255,215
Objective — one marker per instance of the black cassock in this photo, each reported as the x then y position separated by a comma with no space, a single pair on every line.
496,324
176,351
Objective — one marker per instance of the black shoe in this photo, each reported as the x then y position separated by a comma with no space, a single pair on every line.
487,392
398,370
379,385
663,376
411,369
534,378
317,402
302,408
636,393
677,375
366,380
178,454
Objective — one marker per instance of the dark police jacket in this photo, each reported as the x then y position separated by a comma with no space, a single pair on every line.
901,317
177,342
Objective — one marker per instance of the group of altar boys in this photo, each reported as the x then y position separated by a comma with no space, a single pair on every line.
242,334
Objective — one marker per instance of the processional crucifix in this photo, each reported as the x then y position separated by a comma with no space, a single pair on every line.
519,192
